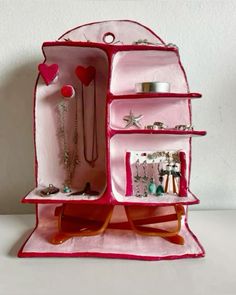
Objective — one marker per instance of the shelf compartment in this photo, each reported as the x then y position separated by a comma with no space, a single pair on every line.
49,145
169,95
131,67
34,197
174,186
120,144
170,112
131,245
165,200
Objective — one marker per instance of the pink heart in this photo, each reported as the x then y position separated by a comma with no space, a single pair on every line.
86,75
48,72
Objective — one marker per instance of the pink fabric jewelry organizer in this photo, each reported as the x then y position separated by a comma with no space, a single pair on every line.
120,62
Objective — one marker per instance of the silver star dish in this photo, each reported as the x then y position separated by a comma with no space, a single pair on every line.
132,120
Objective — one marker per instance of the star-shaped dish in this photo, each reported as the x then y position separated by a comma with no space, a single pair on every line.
132,120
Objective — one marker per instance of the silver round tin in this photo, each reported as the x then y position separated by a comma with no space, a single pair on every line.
152,87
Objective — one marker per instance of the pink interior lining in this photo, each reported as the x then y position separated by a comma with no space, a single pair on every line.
124,31
114,243
120,144
168,111
50,170
35,195
133,67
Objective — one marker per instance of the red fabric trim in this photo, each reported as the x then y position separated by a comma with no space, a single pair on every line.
108,162
125,20
155,95
34,133
36,225
158,203
192,234
108,255
104,199
112,49
183,180
165,131
129,188
190,161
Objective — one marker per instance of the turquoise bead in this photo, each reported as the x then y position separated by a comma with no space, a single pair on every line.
66,189
159,190
152,187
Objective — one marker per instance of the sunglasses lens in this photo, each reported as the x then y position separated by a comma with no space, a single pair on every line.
154,220
84,218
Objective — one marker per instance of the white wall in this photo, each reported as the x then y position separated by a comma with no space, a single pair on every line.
205,33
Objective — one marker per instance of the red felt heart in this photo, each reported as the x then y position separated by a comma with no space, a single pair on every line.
86,75
48,72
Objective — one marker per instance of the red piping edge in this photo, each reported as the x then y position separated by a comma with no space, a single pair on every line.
124,20
129,188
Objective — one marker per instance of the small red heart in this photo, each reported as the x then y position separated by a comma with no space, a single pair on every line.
86,75
48,72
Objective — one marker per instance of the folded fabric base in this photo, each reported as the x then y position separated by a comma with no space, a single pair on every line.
113,243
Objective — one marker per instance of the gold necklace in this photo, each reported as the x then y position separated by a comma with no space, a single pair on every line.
94,154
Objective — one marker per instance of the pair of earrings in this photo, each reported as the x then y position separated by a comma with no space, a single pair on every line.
138,179
144,183
153,188
171,171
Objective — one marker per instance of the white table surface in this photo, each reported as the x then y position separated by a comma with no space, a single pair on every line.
215,274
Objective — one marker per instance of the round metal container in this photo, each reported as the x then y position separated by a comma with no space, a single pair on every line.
152,87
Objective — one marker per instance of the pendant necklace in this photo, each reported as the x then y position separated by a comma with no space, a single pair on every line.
70,160
75,160
94,153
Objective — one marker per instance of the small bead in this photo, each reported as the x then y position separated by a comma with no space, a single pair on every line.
67,91
159,190
152,187
66,189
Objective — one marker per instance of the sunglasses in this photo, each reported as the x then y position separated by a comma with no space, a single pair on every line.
90,220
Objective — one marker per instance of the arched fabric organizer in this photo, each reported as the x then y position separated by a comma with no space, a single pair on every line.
123,53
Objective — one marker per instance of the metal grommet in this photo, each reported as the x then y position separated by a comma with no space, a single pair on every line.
108,38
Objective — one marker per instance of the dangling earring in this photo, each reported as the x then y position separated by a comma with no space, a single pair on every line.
175,174
145,179
137,178
160,189
168,172
152,186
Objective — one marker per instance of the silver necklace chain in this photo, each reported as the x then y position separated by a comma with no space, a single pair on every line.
70,160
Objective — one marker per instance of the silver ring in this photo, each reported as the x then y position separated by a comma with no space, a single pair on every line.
159,126
145,87
150,127
184,127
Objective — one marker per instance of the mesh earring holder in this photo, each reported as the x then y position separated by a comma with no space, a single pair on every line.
111,222
173,165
